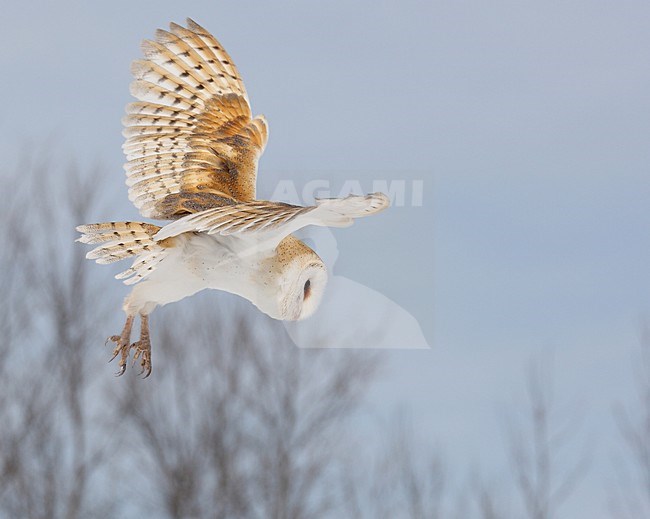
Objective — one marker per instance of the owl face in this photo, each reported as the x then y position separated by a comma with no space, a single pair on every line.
301,290
295,282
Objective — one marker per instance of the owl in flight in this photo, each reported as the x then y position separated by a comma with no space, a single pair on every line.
192,148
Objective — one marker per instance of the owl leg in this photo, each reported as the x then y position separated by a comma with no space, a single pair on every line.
143,346
123,344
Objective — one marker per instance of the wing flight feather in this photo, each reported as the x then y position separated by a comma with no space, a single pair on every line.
191,142
265,224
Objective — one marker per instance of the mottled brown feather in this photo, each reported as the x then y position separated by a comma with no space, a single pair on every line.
191,142
121,240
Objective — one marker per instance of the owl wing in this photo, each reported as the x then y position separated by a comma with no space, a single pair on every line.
264,224
191,143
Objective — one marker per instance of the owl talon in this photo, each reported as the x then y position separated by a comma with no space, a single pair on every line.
121,371
146,364
123,350
144,369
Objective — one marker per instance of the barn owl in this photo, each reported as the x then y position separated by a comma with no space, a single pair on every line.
192,148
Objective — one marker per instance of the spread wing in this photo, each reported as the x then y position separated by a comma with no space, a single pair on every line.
264,224
191,142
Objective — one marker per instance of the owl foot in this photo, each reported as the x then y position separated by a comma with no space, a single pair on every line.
143,347
123,345
143,351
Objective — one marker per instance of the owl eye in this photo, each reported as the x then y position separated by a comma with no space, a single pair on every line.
307,289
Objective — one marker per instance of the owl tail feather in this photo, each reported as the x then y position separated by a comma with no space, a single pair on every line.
120,240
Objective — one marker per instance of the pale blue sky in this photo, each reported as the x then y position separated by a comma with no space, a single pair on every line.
528,123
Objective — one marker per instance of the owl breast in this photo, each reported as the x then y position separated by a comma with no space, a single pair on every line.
286,283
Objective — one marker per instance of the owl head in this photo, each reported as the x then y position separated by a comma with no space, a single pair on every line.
293,281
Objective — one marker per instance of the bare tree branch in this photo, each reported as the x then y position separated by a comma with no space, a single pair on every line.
535,450
633,421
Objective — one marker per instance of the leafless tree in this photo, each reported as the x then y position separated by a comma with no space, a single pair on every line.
537,445
488,507
632,499
402,478
47,321
238,421
235,422
484,498
545,463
